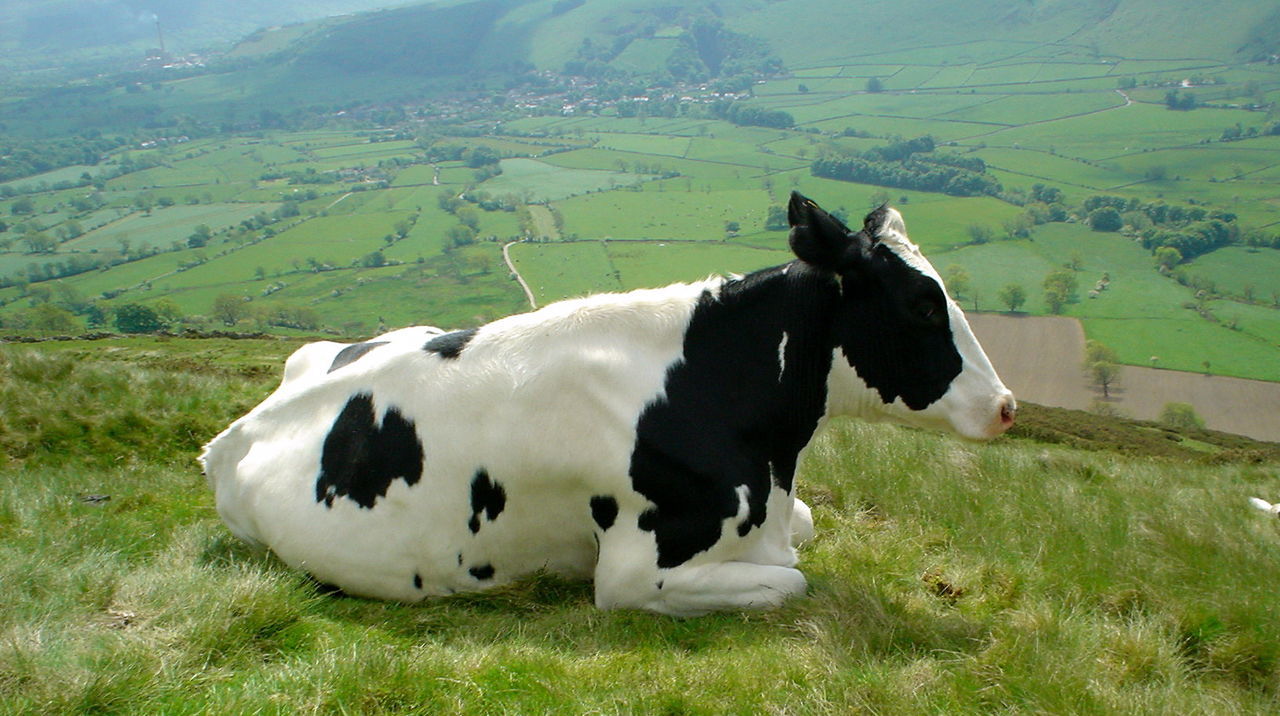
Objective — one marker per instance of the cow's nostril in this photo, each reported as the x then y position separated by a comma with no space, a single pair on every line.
1008,409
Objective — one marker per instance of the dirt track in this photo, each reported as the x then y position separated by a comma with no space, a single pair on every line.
1040,359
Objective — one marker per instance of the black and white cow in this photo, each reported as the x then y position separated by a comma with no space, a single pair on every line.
646,439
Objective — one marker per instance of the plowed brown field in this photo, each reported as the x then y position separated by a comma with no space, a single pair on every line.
1040,359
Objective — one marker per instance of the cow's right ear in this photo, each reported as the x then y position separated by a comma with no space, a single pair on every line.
818,238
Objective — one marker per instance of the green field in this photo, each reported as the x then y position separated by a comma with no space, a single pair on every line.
163,226
536,181
1236,269
1086,117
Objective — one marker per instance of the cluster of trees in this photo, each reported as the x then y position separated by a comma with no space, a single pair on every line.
913,173
752,116
475,156
1173,233
1173,99
61,310
910,164
1189,241
24,158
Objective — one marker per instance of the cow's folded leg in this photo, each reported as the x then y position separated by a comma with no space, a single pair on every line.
801,523
688,591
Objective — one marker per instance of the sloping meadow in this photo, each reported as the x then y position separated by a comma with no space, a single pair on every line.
945,577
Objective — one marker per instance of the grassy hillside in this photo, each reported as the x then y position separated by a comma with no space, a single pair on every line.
48,34
945,577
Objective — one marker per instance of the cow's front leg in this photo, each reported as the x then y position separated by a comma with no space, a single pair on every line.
627,577
801,523
691,591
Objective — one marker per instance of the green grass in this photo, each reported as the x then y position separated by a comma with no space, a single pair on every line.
946,577
534,180
1184,344
164,225
649,264
1234,268
565,270
670,214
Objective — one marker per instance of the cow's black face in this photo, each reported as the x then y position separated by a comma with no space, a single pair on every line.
894,325
895,331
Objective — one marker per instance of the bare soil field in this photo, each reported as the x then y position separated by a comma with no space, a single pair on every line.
1040,358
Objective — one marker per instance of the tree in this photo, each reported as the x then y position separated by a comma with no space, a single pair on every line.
1105,218
1181,416
229,309
1167,257
1104,375
137,318
1059,286
957,280
874,85
1095,351
1013,296
22,206
776,219
469,217
460,235
38,242
51,319
199,237
1100,362
979,233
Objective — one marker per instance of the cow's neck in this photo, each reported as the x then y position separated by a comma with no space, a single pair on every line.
758,352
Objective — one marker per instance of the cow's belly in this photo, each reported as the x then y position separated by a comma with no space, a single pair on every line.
420,540
431,537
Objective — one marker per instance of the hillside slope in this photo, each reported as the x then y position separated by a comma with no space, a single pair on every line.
41,32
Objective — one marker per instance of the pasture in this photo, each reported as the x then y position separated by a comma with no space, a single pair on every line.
1054,114
163,226
945,577
536,181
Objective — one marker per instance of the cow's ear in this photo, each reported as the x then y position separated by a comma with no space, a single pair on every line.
818,238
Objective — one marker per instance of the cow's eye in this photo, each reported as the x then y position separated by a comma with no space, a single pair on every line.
928,311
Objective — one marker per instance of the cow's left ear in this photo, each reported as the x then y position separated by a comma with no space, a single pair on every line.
818,238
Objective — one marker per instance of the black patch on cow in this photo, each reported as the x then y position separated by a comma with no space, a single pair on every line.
362,456
483,572
893,325
487,498
895,331
450,345
604,510
417,581
729,419
352,353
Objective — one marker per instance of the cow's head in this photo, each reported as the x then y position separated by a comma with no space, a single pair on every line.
904,351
